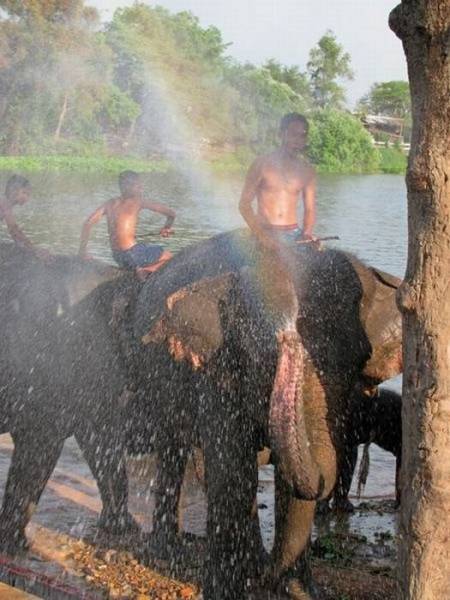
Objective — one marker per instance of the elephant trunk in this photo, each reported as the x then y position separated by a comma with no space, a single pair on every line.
287,427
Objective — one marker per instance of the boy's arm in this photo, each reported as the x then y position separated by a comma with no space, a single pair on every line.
309,207
87,226
249,191
14,230
166,230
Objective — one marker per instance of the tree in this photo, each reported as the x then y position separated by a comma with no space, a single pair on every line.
327,64
291,76
424,298
338,143
390,98
56,77
260,103
173,68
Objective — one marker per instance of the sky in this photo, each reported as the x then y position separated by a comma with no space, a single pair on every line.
287,29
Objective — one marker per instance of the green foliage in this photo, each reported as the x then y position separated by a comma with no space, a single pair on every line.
340,144
54,11
260,103
391,98
233,162
327,64
152,82
291,76
393,160
80,164
337,548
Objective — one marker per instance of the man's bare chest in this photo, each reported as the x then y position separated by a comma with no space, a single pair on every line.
290,180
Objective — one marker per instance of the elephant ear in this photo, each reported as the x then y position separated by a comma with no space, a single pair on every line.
382,323
190,326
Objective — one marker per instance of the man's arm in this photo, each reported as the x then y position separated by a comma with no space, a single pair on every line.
309,207
86,231
249,191
166,230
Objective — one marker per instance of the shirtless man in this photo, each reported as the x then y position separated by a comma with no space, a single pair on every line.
277,180
122,216
18,193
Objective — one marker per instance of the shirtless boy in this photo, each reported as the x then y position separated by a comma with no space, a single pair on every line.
17,193
122,217
278,180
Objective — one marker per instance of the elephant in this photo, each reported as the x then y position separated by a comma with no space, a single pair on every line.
60,375
197,381
246,348
375,417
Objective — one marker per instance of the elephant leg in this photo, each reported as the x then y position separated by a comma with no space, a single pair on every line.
259,553
104,452
342,490
32,463
231,483
171,465
291,573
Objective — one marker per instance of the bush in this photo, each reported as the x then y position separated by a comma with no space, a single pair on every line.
233,162
340,144
393,160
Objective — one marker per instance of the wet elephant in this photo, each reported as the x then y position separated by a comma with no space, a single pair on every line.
60,375
269,354
375,417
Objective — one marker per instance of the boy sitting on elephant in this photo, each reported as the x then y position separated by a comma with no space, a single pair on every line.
277,180
18,193
122,215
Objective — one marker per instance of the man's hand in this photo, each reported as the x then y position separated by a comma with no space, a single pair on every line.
307,237
166,232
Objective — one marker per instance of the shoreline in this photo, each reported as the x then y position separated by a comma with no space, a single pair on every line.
82,164
391,162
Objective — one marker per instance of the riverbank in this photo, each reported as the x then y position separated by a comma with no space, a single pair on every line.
353,557
81,164
391,161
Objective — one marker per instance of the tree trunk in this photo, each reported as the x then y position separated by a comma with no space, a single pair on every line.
424,299
62,115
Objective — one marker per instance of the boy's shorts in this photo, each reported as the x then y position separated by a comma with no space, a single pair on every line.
139,255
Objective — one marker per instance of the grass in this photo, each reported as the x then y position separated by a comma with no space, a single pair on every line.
85,164
393,160
232,162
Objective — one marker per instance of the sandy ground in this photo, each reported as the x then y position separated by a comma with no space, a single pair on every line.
353,556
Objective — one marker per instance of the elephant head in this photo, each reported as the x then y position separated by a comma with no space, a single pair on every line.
289,337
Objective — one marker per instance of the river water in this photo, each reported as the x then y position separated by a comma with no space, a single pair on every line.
367,212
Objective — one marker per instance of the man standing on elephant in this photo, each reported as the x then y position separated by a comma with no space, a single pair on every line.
277,180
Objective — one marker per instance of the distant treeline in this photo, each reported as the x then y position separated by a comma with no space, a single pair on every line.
152,84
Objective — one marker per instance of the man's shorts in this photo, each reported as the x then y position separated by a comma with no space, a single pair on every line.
139,255
285,234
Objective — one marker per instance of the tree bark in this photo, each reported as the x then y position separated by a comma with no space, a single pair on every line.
424,299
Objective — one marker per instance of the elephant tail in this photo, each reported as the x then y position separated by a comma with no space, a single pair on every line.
364,467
